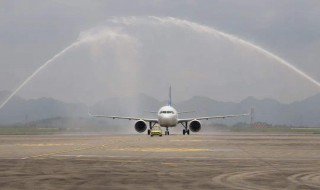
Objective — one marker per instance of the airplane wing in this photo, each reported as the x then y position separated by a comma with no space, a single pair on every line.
128,118
212,117
180,112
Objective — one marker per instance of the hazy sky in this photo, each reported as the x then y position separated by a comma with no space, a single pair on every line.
136,53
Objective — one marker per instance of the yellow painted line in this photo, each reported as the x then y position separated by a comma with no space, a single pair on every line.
59,152
124,161
95,158
48,144
169,173
190,140
163,149
64,151
120,161
170,164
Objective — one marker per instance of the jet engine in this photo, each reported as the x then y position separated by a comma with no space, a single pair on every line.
195,126
140,126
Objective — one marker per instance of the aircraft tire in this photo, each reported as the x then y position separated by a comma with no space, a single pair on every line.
188,132
149,131
183,131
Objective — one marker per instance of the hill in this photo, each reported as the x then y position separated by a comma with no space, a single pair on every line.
300,113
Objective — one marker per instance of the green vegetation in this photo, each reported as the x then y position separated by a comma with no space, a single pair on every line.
262,127
277,130
58,125
66,125
29,131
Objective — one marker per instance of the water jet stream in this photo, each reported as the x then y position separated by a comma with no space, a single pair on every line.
206,29
129,21
85,37
37,71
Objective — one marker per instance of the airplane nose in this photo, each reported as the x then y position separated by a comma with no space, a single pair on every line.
168,116
168,119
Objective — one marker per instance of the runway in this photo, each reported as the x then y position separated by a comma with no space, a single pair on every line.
215,161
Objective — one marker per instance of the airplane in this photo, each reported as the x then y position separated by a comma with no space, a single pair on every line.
168,117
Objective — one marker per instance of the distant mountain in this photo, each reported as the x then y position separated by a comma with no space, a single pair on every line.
300,113
19,110
139,105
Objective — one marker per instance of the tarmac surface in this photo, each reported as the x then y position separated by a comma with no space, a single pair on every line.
215,161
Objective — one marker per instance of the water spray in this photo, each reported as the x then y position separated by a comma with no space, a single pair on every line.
93,35
84,37
37,71
209,30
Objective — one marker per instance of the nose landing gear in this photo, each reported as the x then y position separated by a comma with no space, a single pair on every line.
167,131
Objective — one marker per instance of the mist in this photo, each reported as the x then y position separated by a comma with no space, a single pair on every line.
124,56
125,59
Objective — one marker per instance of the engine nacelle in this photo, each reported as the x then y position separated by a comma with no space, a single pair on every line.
140,126
195,126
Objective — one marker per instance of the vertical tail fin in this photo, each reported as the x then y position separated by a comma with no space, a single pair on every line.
169,101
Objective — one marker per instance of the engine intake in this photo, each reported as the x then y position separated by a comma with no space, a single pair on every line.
195,126
140,126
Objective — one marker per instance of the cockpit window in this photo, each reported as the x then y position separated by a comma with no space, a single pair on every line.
167,112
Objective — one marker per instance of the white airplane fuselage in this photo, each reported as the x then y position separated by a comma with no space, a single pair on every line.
167,116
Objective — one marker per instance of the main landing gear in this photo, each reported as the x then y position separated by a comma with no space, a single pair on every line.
185,130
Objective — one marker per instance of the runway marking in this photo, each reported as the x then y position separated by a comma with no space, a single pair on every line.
152,157
191,140
170,164
167,157
92,156
225,150
64,151
125,161
163,149
170,173
47,144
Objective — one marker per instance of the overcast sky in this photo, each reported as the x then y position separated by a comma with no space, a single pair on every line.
142,54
